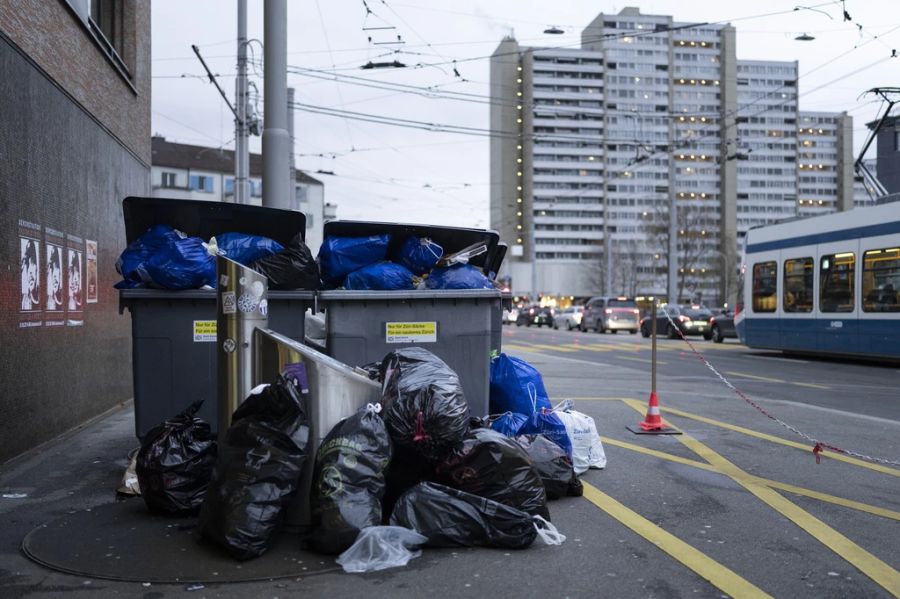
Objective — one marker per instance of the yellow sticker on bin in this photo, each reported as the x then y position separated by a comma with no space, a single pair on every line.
204,331
410,332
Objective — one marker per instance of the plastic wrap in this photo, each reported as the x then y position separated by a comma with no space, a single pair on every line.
380,548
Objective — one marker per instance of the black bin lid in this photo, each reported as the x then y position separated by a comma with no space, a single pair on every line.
452,239
203,219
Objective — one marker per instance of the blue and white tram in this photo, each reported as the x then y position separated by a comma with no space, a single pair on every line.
827,284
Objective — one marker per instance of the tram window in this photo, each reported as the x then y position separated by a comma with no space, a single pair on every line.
765,279
836,276
881,280
798,285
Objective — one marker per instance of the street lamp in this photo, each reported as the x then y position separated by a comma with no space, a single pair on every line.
553,30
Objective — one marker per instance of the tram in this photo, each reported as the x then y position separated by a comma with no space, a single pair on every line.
824,285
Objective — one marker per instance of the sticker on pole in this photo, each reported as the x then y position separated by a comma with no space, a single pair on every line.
410,332
229,302
204,331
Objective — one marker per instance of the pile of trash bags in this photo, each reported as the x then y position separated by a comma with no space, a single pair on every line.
366,263
415,470
166,258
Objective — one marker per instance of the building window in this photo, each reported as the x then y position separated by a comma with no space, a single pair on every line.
229,186
202,183
107,23
168,179
256,188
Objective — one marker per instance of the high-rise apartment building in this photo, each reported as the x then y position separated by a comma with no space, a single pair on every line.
598,144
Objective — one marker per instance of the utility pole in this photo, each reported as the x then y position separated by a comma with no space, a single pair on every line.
275,138
292,179
241,127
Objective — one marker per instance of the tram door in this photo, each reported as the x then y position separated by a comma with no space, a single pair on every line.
837,302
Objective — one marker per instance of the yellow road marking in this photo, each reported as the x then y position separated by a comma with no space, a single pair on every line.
867,563
644,360
824,497
813,385
551,347
754,377
585,347
772,438
705,567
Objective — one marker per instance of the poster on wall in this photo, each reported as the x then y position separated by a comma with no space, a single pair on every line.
54,294
74,281
90,262
30,272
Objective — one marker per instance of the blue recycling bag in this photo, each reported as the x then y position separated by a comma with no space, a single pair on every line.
516,386
458,276
245,248
183,264
546,422
419,254
140,250
383,276
509,423
339,256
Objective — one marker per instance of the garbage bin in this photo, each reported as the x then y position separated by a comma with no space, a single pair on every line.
457,325
173,333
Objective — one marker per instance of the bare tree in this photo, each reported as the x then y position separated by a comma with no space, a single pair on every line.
696,241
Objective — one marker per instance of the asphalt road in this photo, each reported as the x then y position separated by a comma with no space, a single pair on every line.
735,506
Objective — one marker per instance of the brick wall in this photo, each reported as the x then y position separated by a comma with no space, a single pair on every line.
69,157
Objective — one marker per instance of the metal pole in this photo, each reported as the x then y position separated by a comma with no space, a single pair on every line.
653,347
275,138
292,177
673,236
241,128
242,306
608,286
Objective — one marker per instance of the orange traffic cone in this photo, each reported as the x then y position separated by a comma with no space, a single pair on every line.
653,420
653,423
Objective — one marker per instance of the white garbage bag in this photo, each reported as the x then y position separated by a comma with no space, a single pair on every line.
587,450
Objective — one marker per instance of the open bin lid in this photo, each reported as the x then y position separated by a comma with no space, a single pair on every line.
205,219
452,239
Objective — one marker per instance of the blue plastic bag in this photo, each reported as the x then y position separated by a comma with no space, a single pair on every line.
458,276
339,256
140,250
419,254
509,423
516,386
546,422
383,276
245,248
183,264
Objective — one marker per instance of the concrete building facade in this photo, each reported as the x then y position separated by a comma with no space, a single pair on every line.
184,171
599,143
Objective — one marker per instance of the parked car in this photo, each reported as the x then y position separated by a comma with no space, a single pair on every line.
610,314
570,318
692,320
510,316
535,315
721,326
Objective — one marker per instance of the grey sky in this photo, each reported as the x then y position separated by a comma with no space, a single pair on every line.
411,175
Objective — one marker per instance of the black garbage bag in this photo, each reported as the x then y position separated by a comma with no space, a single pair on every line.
491,465
554,466
349,480
258,471
175,463
292,268
453,518
406,470
424,405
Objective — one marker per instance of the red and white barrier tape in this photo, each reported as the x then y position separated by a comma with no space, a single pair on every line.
818,446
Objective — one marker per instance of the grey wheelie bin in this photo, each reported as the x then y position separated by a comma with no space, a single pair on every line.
457,325
173,333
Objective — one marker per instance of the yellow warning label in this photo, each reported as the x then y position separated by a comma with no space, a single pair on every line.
204,331
410,332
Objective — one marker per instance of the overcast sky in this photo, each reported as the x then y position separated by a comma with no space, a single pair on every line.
384,172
